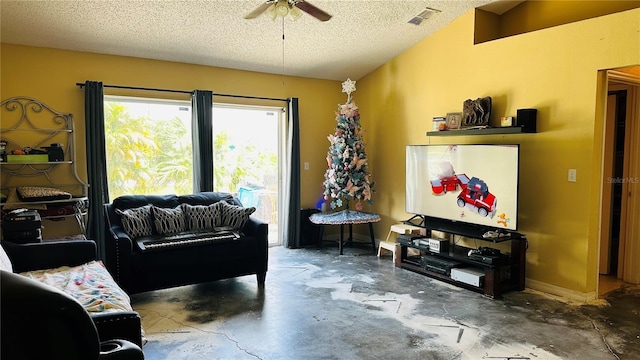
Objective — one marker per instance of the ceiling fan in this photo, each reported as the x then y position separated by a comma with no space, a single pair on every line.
282,8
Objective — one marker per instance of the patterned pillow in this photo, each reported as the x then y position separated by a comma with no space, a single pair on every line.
168,221
234,216
202,217
137,221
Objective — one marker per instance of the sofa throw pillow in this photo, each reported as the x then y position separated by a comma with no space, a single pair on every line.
202,217
235,217
168,221
137,221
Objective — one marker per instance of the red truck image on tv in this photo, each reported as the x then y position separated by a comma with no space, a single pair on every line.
476,194
449,183
445,178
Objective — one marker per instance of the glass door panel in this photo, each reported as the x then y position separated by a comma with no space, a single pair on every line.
246,158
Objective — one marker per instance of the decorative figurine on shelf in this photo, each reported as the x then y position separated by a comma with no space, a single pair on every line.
476,112
347,176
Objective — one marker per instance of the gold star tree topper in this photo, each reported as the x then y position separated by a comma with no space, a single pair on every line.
348,87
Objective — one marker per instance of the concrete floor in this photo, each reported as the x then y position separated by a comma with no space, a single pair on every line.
319,305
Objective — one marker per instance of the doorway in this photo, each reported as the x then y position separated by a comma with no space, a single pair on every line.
247,159
619,228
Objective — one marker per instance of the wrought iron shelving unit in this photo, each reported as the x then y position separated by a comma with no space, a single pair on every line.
30,123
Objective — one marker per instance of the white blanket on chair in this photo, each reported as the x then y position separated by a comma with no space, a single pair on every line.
90,284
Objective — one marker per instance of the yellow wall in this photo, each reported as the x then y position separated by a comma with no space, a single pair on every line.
51,76
554,70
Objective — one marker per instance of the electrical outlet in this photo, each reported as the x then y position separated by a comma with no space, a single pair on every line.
306,165
572,175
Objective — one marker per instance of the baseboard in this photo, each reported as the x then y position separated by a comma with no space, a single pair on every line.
560,292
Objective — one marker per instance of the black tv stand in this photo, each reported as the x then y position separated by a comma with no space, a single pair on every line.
412,220
505,274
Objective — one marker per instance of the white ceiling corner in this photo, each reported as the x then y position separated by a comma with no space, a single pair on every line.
361,36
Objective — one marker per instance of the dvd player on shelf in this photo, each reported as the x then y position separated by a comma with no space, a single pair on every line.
407,240
438,264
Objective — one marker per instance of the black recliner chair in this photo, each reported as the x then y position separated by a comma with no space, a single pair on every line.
41,322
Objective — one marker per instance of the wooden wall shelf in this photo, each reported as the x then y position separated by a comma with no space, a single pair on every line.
487,131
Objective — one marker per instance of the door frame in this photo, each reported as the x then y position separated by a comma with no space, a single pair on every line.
628,264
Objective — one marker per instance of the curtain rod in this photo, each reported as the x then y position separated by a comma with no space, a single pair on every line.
81,85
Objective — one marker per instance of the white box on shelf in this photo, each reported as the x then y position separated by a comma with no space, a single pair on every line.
438,245
469,275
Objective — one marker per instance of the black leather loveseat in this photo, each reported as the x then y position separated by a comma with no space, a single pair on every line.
184,253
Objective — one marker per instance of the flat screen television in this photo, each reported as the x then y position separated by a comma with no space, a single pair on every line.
475,184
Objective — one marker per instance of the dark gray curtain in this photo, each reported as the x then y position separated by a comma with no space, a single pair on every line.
96,162
202,126
292,189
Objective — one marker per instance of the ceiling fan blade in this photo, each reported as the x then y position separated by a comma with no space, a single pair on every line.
312,10
259,10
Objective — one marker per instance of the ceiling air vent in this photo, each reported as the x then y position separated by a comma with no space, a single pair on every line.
424,15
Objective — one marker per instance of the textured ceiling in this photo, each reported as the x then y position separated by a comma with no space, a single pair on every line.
361,36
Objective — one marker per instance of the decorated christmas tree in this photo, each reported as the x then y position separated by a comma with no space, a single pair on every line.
347,177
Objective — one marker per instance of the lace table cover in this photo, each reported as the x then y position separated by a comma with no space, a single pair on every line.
344,217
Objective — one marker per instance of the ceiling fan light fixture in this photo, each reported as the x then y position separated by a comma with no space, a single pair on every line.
293,9
282,8
295,13
271,12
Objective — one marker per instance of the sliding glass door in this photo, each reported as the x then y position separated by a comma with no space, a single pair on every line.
246,146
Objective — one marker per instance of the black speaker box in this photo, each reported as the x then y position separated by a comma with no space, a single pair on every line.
309,232
526,119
